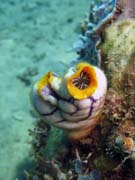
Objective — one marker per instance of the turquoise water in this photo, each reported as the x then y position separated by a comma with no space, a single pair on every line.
35,36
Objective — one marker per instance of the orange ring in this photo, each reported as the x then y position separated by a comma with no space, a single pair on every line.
82,93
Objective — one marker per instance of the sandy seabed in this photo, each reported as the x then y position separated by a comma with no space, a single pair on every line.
35,36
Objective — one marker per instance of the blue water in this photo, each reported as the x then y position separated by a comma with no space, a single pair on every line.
35,36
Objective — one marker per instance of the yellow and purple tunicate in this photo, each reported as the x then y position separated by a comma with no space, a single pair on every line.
73,102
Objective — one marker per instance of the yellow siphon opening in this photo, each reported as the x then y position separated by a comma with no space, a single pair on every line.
83,82
43,82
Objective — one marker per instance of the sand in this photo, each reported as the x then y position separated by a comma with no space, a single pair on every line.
35,36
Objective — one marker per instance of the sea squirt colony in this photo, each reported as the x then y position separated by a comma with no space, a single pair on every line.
72,102
76,101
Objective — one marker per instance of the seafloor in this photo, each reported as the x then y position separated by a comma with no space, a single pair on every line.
35,36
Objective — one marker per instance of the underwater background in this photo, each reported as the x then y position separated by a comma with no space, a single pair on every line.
35,36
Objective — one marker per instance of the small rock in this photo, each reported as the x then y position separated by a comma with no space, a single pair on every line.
19,116
78,166
83,178
95,175
48,177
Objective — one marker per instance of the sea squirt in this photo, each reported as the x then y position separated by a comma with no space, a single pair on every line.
73,102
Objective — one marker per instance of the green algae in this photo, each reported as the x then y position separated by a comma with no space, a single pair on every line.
54,144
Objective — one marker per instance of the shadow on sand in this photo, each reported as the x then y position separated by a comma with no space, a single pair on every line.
26,165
